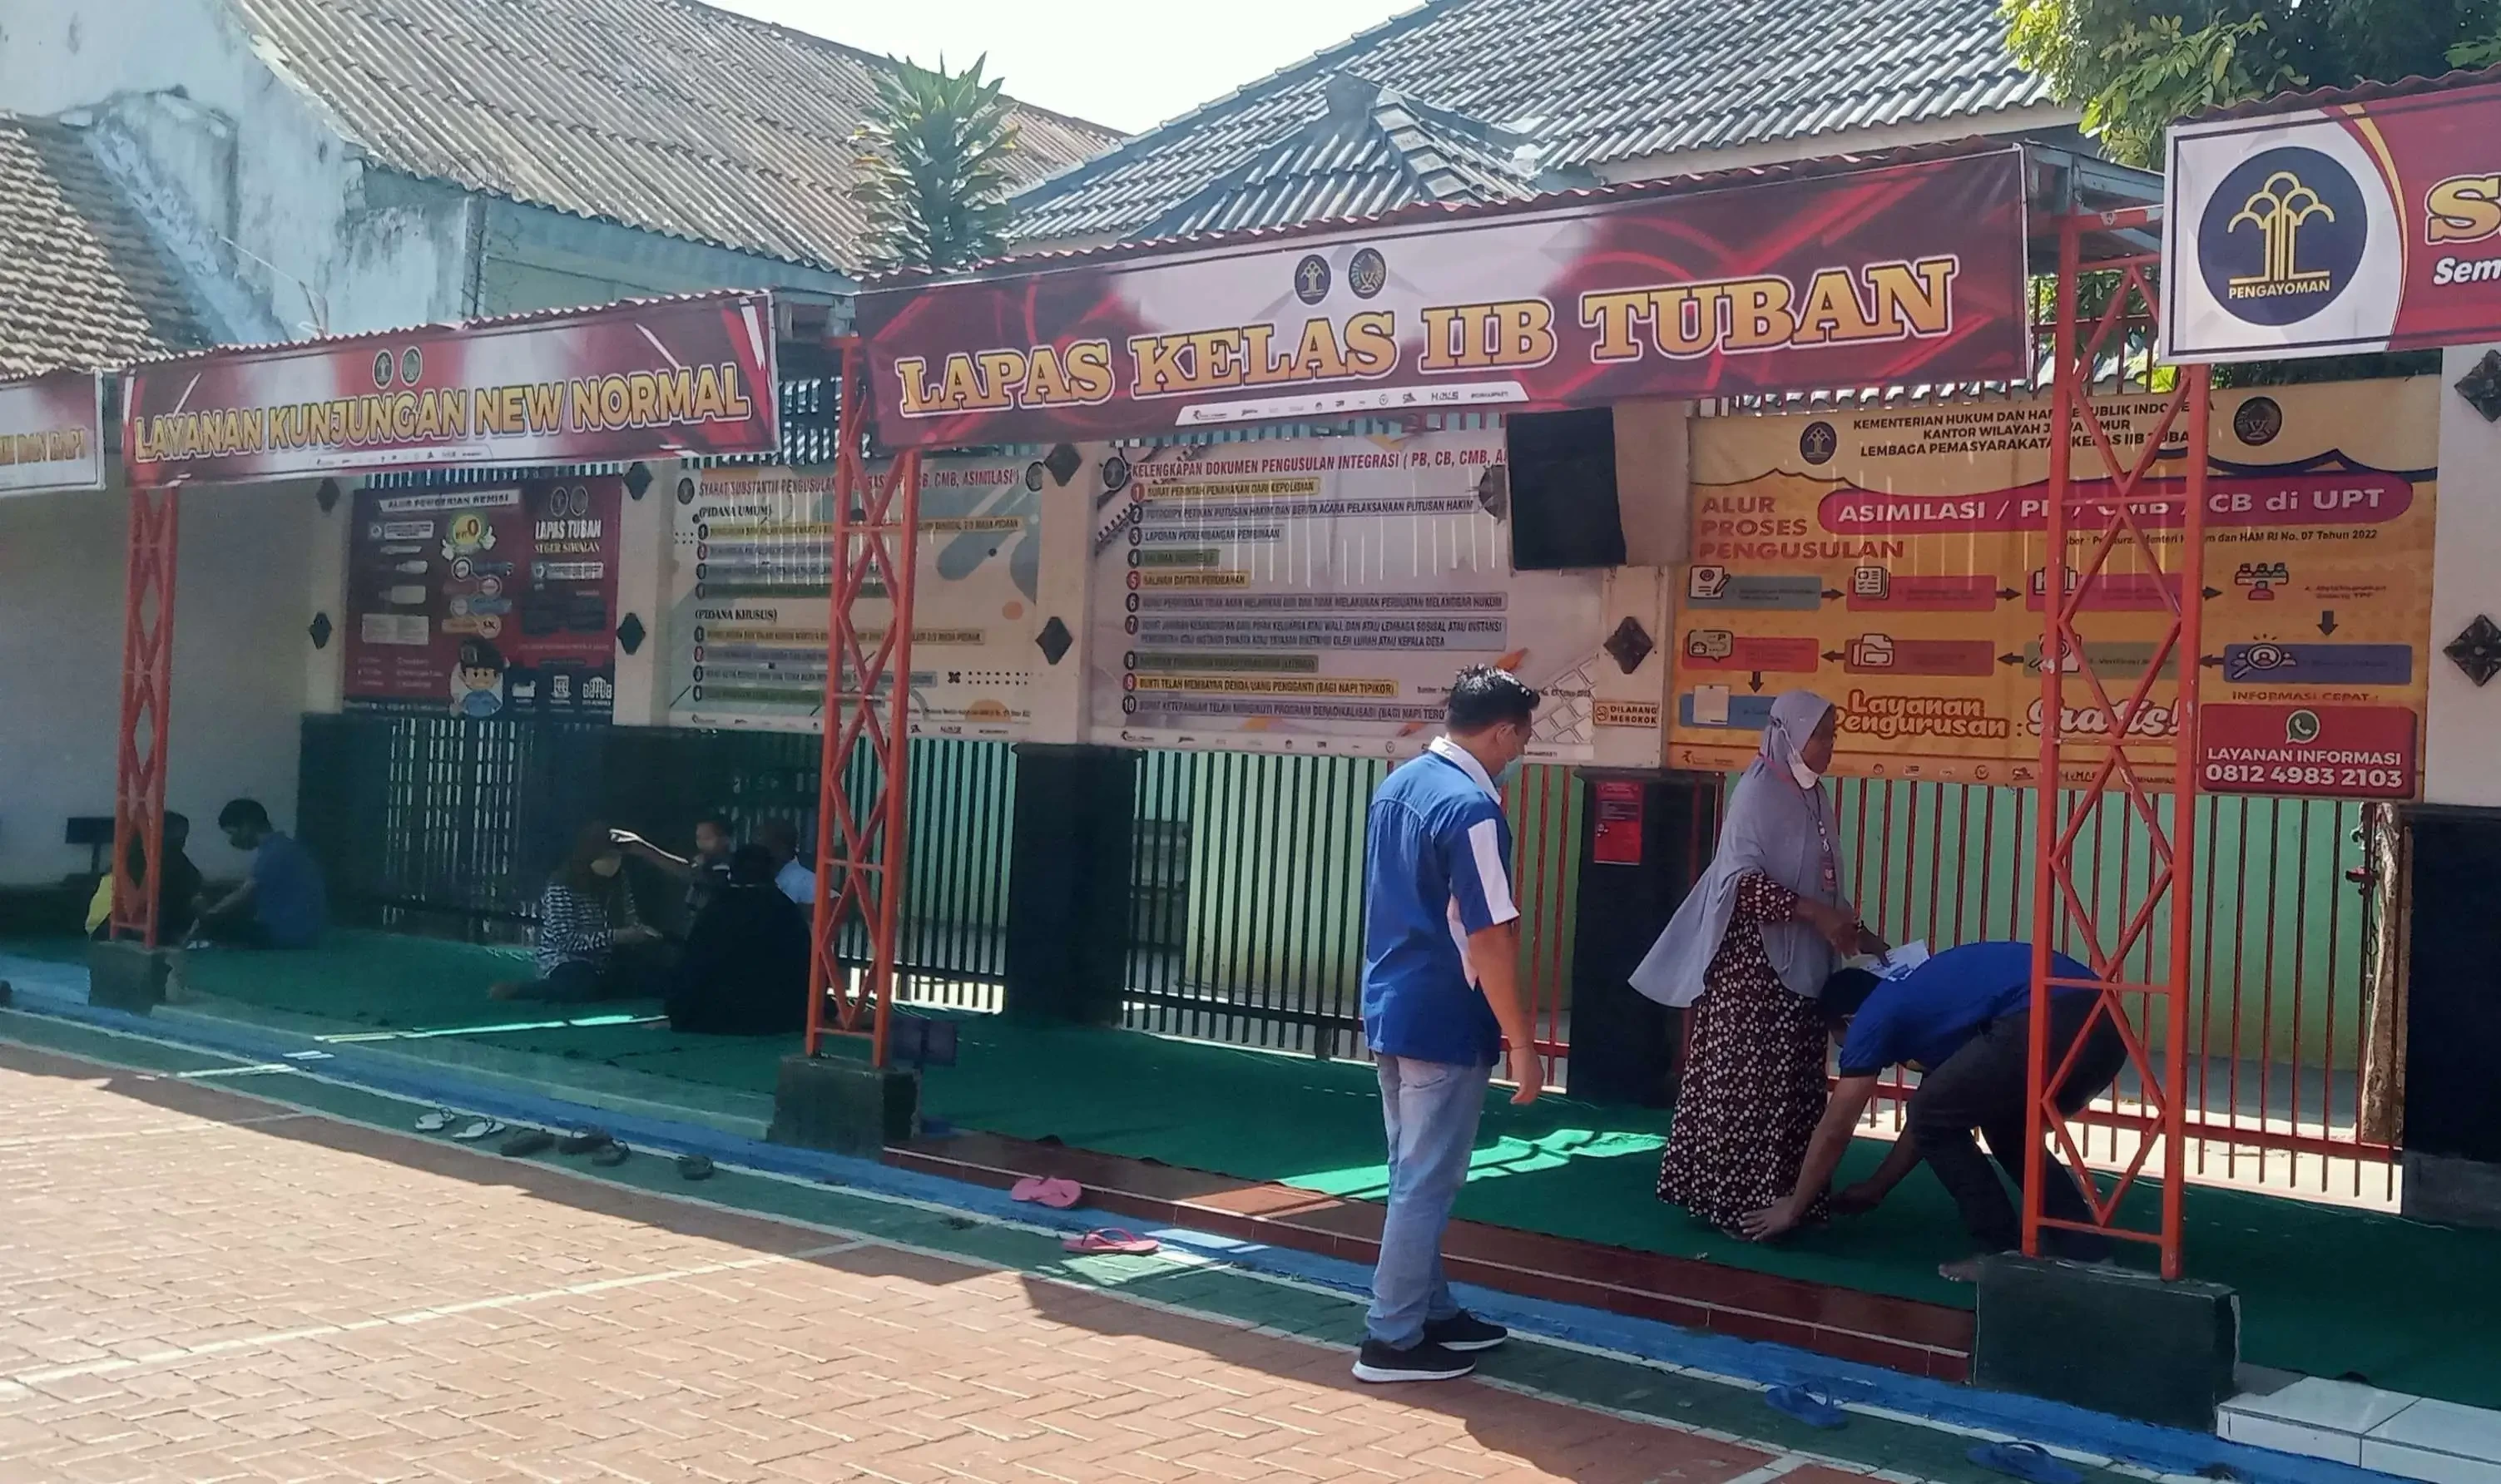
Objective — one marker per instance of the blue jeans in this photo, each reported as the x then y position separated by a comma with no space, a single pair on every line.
1430,1112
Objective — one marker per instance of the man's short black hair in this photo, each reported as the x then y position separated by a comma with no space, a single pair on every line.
1844,992
751,866
1483,697
243,814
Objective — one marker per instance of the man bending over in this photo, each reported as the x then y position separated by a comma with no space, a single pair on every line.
1963,1020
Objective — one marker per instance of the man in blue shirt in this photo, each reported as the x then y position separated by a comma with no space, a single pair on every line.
282,903
1441,954
1963,1021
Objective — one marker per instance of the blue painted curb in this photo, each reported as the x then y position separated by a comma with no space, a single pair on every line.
49,990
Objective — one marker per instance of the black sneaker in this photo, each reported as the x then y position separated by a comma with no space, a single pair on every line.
1422,1361
1464,1332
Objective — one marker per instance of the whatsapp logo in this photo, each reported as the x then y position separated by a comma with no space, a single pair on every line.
2301,727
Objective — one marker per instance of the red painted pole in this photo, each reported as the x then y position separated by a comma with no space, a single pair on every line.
902,539
2187,765
147,695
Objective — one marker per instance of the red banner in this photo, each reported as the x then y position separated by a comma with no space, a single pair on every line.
2328,230
1897,273
51,433
640,380
486,602
2324,751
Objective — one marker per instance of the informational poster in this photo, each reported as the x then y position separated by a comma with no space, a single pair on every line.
1319,595
750,600
484,603
1895,562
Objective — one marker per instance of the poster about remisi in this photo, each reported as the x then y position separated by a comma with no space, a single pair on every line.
753,552
1894,561
485,603
1319,595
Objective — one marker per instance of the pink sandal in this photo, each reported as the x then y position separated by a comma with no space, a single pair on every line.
1113,1240
1058,1195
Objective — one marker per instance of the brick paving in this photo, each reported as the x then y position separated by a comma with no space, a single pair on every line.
201,1286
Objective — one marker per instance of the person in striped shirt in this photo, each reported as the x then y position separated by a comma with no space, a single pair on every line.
592,943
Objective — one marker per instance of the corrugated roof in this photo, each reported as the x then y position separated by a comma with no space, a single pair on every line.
82,282
2360,92
1591,82
1043,259
664,114
1372,150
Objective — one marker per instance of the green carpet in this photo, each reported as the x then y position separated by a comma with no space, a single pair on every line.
2325,1291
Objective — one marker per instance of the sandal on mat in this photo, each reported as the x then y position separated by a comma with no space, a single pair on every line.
1058,1195
1806,1406
694,1166
477,1129
585,1141
610,1155
2028,1462
436,1121
1113,1240
526,1142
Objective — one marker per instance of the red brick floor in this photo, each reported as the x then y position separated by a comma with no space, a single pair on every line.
200,1287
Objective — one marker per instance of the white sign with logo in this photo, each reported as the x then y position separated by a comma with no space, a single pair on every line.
2282,239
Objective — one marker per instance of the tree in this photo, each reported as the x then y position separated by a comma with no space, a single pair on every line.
2137,65
934,167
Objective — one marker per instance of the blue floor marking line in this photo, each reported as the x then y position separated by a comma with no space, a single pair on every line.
2164,1450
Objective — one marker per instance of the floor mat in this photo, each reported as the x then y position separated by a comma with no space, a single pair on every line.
2325,1290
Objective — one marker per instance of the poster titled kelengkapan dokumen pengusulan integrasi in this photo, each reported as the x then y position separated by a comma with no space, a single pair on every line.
1894,560
1317,595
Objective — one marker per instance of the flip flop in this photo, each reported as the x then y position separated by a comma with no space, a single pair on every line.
610,1155
1806,1406
2028,1462
436,1121
477,1129
526,1142
585,1141
1058,1195
1113,1240
694,1166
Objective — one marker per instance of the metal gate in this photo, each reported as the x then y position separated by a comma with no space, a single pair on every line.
2293,1005
1246,922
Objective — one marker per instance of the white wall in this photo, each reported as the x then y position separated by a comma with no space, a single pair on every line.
2462,742
239,669
245,156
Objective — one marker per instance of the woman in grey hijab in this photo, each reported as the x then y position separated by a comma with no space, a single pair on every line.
1749,950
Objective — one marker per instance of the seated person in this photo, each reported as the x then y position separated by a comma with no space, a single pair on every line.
592,943
1963,1020
177,890
282,903
793,876
703,874
744,971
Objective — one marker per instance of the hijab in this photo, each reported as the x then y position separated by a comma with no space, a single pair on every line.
1774,826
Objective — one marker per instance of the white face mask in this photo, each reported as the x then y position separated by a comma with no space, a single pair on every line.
1807,777
606,866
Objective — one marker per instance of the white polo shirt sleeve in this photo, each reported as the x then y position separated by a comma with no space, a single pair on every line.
1477,853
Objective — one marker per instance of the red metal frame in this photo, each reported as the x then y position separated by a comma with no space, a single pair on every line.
2111,522
147,699
860,851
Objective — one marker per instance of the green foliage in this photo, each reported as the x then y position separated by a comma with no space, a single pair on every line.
2135,66
934,167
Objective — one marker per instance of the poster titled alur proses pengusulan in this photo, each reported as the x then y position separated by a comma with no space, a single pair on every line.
1895,561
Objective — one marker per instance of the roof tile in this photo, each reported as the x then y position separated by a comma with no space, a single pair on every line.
664,114
81,283
1592,81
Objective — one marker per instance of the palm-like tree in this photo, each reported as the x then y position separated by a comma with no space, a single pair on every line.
934,167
